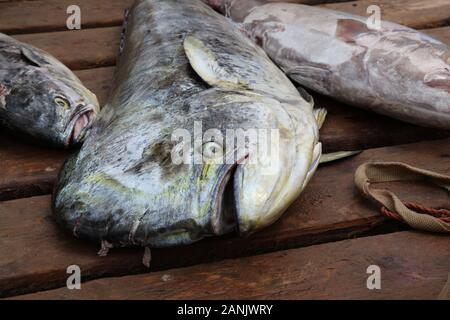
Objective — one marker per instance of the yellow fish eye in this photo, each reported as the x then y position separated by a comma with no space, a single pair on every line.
62,102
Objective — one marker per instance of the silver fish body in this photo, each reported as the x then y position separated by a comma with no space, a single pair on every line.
392,70
184,65
41,97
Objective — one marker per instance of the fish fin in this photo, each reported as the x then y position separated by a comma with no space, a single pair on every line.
312,75
206,65
124,31
4,91
305,95
348,29
33,56
438,79
321,115
317,153
330,157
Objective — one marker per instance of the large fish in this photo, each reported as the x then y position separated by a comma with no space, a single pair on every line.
41,97
183,66
392,70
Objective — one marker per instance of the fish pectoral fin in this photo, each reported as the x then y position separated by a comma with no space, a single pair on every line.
320,114
348,29
206,65
438,79
305,95
330,157
33,57
310,75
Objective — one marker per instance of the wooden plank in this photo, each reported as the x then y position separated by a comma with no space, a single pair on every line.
34,252
27,169
82,49
51,15
329,271
442,34
420,14
348,128
98,80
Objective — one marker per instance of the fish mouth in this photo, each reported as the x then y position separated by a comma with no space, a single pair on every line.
80,125
224,215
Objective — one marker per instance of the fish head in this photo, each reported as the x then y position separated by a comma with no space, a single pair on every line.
267,182
264,157
52,108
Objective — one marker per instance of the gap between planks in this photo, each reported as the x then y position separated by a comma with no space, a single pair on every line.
34,252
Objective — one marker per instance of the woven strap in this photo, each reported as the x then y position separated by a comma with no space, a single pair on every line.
417,216
427,219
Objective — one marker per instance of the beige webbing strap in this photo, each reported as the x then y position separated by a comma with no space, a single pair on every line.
434,221
376,172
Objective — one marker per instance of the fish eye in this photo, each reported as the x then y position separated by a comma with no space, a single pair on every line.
62,102
212,150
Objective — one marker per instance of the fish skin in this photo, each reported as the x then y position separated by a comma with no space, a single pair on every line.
395,71
123,187
42,98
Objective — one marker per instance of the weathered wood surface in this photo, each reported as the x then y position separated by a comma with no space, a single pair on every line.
345,129
442,34
27,169
34,252
413,266
83,49
50,15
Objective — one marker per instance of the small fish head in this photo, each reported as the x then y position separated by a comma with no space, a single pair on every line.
52,109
